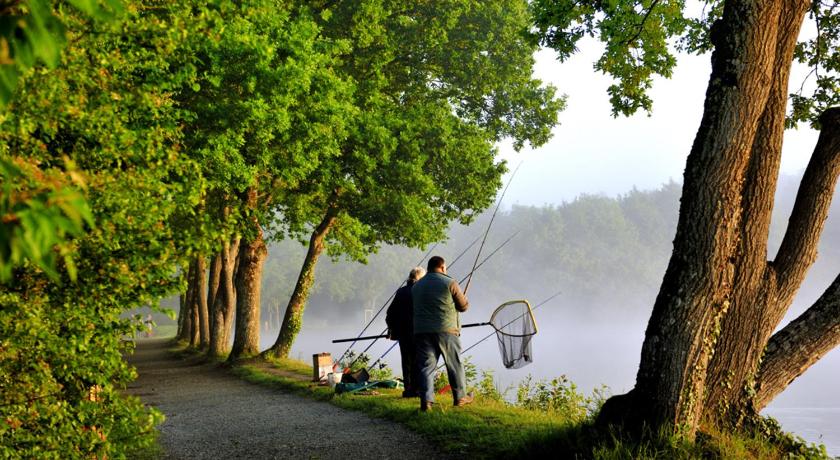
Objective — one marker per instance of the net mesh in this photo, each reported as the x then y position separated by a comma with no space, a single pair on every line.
515,326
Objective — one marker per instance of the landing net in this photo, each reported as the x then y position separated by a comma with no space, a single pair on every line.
515,326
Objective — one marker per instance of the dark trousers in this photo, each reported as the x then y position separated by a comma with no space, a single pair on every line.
430,347
408,353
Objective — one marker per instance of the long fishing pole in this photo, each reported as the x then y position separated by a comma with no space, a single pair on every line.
383,333
384,304
494,332
474,268
489,256
532,309
483,261
475,325
487,231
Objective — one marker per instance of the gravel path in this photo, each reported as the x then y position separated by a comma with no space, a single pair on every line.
212,414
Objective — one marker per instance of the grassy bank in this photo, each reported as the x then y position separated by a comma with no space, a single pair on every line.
549,419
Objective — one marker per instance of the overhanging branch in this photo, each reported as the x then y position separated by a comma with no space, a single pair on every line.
807,220
800,344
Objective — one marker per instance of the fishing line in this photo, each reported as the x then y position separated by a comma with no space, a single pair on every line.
383,333
391,298
492,333
486,232
383,305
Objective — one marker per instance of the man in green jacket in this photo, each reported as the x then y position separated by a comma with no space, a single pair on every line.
437,300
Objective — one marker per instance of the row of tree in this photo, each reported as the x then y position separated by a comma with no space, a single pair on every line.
349,127
171,140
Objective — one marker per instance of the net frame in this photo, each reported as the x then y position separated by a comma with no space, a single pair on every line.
515,348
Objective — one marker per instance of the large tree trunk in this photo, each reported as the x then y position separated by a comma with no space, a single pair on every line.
182,307
213,285
697,291
188,324
195,336
252,254
760,306
224,301
201,301
293,319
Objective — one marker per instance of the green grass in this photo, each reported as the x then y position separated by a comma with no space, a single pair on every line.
490,428
493,429
167,330
485,429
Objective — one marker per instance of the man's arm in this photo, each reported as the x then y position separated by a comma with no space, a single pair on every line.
461,302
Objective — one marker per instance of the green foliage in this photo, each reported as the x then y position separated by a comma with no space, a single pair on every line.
38,213
101,125
434,86
267,107
488,389
639,39
821,54
636,36
59,382
559,395
30,33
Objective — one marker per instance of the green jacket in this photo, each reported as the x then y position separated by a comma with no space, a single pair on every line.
437,299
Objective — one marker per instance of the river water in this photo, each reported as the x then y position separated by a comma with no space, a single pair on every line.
820,425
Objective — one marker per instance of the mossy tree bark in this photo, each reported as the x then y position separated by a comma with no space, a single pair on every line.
187,308
720,299
215,274
182,306
224,302
252,256
760,306
201,301
293,319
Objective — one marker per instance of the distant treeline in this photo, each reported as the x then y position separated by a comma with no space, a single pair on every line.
607,255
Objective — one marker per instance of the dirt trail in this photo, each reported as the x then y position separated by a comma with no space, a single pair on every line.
212,414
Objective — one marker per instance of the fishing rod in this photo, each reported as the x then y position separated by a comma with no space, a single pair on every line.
483,261
383,333
492,333
487,231
475,266
383,305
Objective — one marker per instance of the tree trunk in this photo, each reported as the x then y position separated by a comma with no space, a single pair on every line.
697,289
182,306
252,254
293,319
224,301
760,307
213,284
195,336
201,301
187,329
